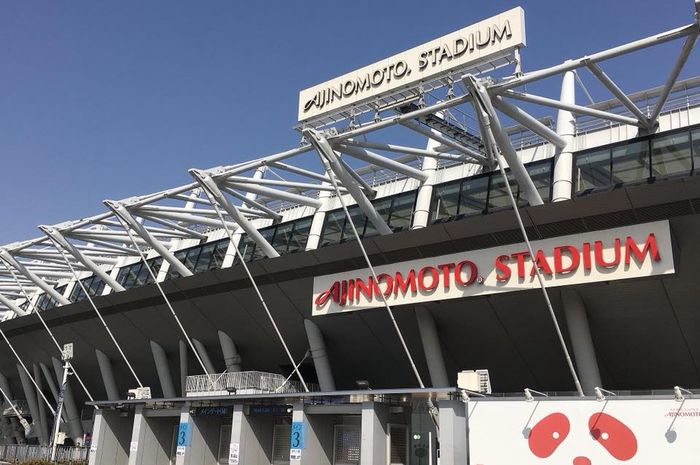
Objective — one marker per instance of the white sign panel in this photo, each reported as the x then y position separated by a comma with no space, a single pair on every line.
234,453
630,252
461,50
584,432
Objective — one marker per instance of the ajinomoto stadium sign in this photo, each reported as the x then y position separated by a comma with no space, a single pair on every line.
494,37
608,255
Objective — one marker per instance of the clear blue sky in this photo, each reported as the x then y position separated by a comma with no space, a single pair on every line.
111,99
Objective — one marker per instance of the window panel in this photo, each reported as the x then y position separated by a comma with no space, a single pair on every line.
402,211
300,235
541,175
630,163
695,137
445,201
205,257
473,198
333,227
592,170
498,193
671,154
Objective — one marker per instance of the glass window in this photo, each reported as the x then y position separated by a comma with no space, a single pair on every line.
137,275
383,207
592,170
541,175
282,237
246,246
219,254
671,154
402,211
695,136
206,251
630,163
268,234
333,227
474,194
46,302
498,193
299,236
94,286
359,219
445,201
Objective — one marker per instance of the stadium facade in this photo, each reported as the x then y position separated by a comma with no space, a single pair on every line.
238,319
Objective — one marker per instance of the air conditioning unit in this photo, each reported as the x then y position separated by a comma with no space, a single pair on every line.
139,393
474,380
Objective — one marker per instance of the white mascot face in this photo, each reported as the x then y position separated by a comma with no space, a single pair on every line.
584,432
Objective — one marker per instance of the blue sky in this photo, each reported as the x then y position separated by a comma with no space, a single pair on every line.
106,100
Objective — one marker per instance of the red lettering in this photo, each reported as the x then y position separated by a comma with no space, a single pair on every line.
333,293
389,284
541,263
402,285
364,289
586,255
446,267
600,259
650,247
520,257
558,262
502,269
435,276
343,294
472,273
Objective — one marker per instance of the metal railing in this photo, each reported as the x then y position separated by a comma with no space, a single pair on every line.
243,382
19,452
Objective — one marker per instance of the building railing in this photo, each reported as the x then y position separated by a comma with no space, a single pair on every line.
20,452
242,382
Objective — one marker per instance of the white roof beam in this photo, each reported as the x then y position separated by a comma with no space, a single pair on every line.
274,193
208,183
122,212
332,163
251,202
617,92
11,262
60,241
7,302
476,156
383,162
529,121
406,150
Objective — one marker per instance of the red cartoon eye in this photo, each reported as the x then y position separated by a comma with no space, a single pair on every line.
614,435
547,434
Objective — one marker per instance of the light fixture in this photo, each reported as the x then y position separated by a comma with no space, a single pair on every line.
600,393
363,384
529,397
678,393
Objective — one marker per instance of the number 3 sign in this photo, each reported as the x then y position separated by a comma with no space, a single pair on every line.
297,439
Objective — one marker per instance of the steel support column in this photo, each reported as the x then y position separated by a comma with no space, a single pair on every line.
204,355
326,152
30,395
562,184
11,261
318,220
421,211
12,306
320,357
122,212
483,100
581,340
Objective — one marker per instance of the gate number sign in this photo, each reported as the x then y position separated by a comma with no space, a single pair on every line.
297,439
183,435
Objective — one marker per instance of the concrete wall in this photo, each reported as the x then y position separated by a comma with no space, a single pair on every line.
111,437
152,437
252,435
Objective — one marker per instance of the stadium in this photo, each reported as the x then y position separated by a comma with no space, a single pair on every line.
359,300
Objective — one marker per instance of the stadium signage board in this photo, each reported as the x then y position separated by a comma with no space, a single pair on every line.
465,49
621,253
557,432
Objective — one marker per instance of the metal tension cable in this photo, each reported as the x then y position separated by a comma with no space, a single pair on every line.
481,108
104,323
43,322
162,293
331,175
255,286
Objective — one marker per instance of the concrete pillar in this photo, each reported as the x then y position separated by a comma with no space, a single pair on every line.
318,434
151,438
107,375
251,438
183,367
72,414
231,357
581,340
453,432
30,395
160,359
566,128
111,435
312,242
8,428
198,439
374,433
5,385
431,348
43,419
50,381
204,355
320,357
421,213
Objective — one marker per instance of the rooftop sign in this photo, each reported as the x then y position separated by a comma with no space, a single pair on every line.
471,49
621,253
